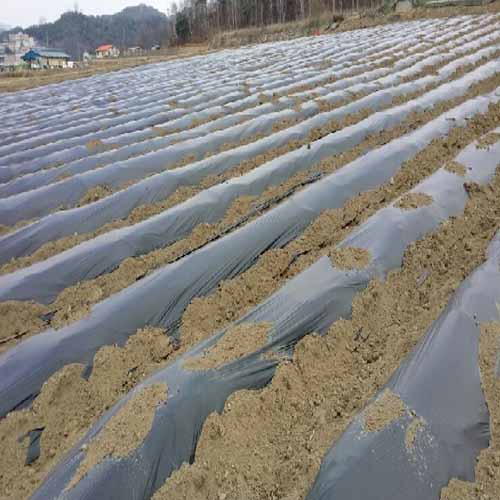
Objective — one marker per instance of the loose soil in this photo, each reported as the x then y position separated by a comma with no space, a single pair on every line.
412,201
388,320
69,405
124,431
488,140
269,443
455,168
412,431
350,258
237,342
98,145
387,408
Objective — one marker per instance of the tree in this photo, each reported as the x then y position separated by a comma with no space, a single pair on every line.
182,27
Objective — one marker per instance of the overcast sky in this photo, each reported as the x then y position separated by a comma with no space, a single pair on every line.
27,12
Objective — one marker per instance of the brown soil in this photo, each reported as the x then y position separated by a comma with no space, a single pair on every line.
69,405
237,342
387,408
487,483
227,303
18,319
96,145
350,258
412,431
489,140
455,168
98,192
124,431
411,201
94,194
269,443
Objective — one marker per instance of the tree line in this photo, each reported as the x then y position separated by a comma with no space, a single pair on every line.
187,21
197,19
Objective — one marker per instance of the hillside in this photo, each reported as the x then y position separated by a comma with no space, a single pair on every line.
76,33
4,27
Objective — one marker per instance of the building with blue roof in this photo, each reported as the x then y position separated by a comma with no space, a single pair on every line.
41,58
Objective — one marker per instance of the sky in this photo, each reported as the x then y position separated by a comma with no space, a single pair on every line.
27,12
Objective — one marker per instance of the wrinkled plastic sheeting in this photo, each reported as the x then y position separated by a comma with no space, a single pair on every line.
275,57
310,302
67,192
45,176
374,45
358,84
123,83
440,383
70,154
43,281
153,189
132,97
73,136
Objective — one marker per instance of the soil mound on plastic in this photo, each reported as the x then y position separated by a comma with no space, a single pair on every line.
69,404
237,342
384,410
412,431
124,431
19,318
411,201
455,168
488,140
94,194
350,258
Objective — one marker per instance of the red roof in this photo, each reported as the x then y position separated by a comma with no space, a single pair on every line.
103,48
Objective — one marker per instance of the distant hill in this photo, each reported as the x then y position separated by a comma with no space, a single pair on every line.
76,33
4,27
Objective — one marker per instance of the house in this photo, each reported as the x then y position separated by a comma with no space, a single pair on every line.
107,51
41,57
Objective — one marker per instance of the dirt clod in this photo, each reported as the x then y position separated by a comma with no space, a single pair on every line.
124,431
350,258
384,410
411,201
455,168
237,342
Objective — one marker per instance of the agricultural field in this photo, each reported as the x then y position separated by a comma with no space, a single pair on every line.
270,272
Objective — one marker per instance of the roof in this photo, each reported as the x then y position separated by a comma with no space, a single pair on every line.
37,52
103,48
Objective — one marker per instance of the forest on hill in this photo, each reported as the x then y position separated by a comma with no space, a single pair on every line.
75,32
188,20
